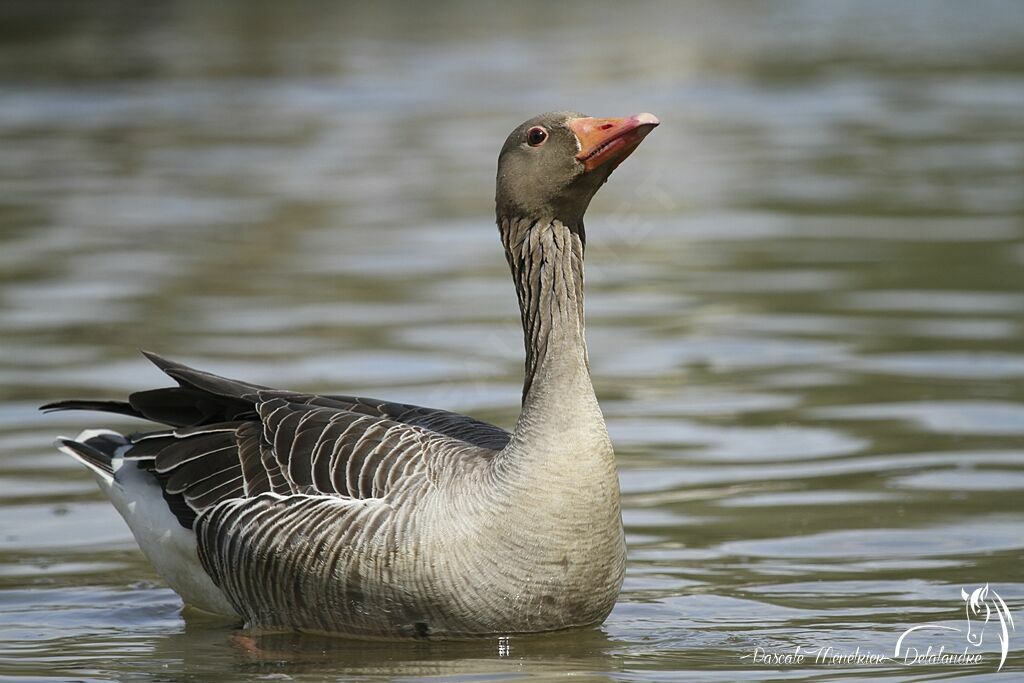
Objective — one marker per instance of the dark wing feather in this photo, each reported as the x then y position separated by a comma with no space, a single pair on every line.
203,398
232,440
255,476
335,451
457,426
195,471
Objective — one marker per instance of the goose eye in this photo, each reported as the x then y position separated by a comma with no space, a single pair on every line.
536,136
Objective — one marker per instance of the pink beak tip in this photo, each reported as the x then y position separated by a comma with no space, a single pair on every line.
646,119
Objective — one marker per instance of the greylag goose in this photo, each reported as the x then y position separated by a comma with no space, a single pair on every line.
367,518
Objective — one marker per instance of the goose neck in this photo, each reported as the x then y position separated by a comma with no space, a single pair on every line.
546,260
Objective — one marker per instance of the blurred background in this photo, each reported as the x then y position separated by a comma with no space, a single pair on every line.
805,301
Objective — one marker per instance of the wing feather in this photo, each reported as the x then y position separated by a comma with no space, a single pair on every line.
256,478
227,441
216,463
223,486
199,448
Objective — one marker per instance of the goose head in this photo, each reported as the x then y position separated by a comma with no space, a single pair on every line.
552,165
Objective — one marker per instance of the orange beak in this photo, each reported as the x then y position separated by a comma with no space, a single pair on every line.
604,141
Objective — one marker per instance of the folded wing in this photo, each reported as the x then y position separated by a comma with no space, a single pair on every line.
234,440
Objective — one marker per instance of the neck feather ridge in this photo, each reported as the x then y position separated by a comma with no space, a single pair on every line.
546,260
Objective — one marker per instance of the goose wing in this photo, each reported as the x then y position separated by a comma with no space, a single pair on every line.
234,440
320,529
291,447
203,398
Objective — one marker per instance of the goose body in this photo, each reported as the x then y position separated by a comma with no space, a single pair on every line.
370,518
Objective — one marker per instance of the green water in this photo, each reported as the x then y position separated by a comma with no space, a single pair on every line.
805,305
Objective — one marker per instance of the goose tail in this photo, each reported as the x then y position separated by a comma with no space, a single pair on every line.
98,449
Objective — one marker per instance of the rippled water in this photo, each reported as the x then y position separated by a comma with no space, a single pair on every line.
806,304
